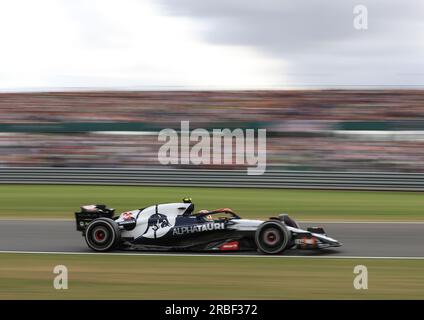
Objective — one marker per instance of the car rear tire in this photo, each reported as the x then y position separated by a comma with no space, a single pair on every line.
103,234
272,237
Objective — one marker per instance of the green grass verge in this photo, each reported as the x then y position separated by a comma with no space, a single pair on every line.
30,276
43,201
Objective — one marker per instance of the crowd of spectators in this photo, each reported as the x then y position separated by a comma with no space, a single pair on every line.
301,127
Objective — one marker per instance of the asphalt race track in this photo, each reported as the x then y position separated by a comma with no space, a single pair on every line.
359,239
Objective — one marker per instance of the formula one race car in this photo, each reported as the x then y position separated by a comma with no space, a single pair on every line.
175,226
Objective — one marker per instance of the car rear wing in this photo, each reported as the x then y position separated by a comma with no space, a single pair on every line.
90,212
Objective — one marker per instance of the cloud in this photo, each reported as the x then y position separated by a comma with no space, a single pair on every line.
209,43
317,39
126,43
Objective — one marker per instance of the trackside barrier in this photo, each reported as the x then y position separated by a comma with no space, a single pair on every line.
214,178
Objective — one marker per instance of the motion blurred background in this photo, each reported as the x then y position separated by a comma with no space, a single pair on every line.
91,83
86,85
336,130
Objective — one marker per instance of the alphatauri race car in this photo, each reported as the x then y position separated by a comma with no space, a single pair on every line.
176,227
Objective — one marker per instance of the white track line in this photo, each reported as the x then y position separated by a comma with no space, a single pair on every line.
138,254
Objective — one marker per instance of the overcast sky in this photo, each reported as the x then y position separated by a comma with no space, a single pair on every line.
238,44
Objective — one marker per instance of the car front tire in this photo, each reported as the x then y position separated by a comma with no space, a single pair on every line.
272,237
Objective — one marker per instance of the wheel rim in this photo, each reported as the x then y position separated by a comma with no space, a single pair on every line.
100,235
271,237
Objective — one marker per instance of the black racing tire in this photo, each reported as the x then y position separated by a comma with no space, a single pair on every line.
272,237
103,234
